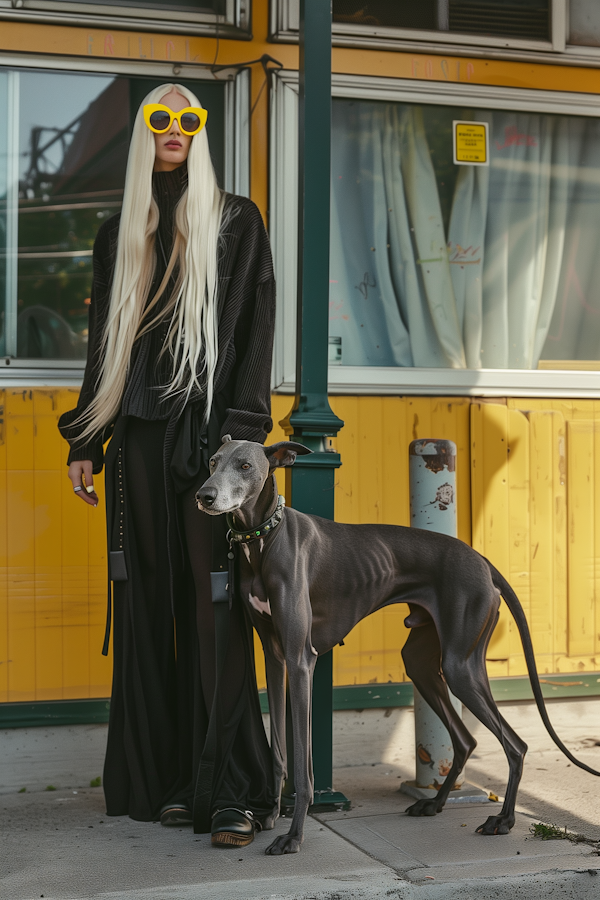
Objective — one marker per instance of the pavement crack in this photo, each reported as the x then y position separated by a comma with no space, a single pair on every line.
368,853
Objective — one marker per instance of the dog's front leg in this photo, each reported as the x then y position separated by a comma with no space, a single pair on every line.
275,666
300,658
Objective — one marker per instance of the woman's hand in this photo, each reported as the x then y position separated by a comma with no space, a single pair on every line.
82,476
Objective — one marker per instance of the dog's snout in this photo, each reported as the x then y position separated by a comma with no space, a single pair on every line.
207,496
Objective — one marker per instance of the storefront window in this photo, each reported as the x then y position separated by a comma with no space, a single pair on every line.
459,266
62,170
584,23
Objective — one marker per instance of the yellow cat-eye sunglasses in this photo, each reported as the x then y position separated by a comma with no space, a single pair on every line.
159,118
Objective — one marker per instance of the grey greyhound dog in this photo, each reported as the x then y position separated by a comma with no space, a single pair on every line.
306,582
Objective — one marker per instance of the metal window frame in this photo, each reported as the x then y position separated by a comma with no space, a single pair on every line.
235,24
283,230
31,372
283,18
12,213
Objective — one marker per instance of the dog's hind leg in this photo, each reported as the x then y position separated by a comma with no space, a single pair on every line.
467,678
422,656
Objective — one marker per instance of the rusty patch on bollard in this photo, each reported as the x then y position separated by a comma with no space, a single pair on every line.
437,458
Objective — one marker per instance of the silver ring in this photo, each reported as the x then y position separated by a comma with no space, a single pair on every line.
77,489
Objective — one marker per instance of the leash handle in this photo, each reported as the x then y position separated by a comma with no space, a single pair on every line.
219,586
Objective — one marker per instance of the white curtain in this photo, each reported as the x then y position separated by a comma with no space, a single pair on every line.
487,294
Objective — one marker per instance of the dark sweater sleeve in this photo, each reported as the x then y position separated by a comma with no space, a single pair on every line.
249,418
67,424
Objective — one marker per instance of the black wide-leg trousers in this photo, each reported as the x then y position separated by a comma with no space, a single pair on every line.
164,656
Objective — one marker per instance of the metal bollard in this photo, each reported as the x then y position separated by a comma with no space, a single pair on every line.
432,473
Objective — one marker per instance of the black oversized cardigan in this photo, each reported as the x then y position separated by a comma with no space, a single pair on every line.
246,309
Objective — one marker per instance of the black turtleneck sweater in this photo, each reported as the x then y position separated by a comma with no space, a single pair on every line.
246,309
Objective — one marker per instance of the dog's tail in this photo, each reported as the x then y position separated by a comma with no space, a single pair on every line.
518,614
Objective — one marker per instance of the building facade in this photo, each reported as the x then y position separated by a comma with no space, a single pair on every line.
464,289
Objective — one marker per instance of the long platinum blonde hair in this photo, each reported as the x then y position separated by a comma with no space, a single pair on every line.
193,330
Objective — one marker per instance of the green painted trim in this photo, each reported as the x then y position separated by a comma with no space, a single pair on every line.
576,684
353,697
54,712
385,696
373,696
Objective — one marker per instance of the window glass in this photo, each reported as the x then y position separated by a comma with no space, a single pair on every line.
436,264
72,133
519,18
584,22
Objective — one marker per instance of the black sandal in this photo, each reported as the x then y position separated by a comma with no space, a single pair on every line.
176,814
232,827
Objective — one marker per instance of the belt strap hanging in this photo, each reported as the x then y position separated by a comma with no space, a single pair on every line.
117,566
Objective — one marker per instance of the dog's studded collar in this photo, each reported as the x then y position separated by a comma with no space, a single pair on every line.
246,537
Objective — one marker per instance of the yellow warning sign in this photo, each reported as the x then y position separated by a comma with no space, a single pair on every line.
470,143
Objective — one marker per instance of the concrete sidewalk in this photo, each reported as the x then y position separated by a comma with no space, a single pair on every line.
59,845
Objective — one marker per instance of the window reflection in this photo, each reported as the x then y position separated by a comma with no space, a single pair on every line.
73,138
63,155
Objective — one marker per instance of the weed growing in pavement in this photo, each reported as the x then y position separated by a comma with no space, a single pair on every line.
554,833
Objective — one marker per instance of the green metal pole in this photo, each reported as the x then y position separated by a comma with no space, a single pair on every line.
310,482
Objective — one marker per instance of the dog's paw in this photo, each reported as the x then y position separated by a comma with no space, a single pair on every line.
284,844
496,825
424,808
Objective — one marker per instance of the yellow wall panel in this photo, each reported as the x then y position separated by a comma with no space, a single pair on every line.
528,477
19,429
491,509
581,515
21,634
597,529
52,565
575,664
564,500
20,583
48,585
20,519
561,553
545,580
3,558
519,531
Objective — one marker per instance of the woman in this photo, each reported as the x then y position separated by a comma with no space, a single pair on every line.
180,341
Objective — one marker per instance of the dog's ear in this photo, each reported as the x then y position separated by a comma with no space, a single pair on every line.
225,439
284,453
